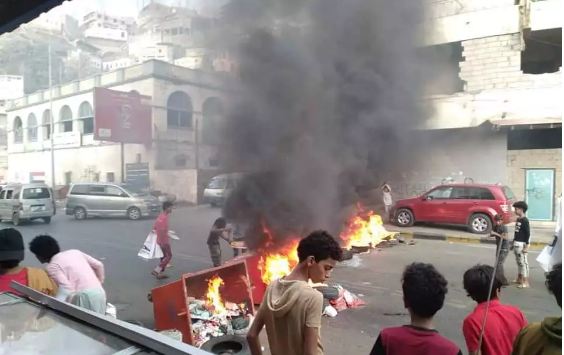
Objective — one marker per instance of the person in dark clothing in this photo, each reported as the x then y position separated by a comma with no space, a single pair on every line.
424,290
544,338
219,230
521,243
502,247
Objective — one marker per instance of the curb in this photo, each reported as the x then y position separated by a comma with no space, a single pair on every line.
462,239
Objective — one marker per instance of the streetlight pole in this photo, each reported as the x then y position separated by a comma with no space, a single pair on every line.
51,120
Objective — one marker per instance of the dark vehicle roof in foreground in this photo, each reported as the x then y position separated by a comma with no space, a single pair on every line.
41,324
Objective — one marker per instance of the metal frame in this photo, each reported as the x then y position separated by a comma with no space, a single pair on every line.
144,337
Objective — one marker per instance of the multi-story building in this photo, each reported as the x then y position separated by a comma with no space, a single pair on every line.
11,87
499,119
185,105
107,33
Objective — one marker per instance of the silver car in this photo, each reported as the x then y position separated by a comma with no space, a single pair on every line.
109,200
26,202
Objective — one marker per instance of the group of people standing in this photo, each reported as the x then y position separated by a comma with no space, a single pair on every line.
70,275
291,311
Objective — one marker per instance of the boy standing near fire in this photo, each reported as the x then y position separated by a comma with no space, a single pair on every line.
218,230
291,309
521,243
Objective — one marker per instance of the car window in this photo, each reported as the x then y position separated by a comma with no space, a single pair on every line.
9,194
79,190
461,193
36,193
508,193
217,183
3,194
440,193
485,194
97,190
114,191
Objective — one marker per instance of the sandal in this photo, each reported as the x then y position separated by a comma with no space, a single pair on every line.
523,286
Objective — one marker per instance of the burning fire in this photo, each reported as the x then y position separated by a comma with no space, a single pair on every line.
274,265
213,298
364,229
277,262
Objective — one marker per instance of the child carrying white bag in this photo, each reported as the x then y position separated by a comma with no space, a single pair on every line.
150,249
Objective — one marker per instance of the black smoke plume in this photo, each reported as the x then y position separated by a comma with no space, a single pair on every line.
330,90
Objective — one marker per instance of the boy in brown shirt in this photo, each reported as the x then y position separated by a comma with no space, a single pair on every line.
291,309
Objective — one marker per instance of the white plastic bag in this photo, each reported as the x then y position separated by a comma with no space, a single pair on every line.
150,249
111,310
545,257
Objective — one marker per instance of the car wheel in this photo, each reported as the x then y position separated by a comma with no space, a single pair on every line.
227,344
133,213
47,220
79,213
16,219
480,224
404,218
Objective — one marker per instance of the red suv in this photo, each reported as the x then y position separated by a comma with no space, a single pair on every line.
474,205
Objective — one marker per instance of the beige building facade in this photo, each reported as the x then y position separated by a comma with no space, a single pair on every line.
184,103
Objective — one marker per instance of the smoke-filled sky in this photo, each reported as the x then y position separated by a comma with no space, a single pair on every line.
330,90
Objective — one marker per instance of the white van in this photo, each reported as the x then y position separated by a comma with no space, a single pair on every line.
26,202
220,187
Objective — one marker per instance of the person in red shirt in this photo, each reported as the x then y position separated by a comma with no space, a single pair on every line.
424,290
163,240
503,322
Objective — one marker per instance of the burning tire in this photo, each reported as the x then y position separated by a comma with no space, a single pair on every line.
480,223
228,344
404,218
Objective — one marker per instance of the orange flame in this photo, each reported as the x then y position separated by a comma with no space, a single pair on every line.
213,298
277,262
364,229
274,265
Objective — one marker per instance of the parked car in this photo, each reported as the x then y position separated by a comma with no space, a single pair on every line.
220,187
109,200
474,205
26,202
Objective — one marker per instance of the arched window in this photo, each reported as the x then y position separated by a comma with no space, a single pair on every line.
86,115
65,118
46,122
18,130
179,110
212,117
31,128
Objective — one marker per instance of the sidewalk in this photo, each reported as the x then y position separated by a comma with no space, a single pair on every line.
540,235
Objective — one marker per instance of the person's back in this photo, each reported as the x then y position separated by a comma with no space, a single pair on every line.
544,338
502,326
424,290
503,322
74,270
290,307
413,340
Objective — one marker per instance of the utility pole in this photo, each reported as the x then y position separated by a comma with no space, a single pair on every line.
51,120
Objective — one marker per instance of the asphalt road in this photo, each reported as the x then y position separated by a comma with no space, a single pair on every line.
376,275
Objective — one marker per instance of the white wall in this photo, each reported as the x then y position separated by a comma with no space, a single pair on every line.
82,162
182,183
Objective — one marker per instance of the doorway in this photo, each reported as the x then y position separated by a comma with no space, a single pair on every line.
539,194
